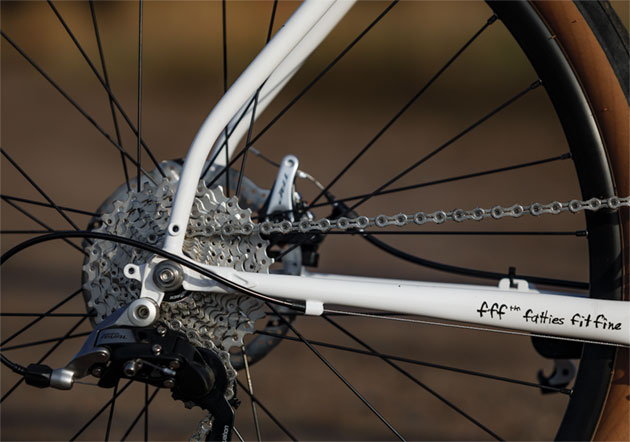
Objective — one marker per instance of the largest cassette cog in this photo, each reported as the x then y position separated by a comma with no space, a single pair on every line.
214,321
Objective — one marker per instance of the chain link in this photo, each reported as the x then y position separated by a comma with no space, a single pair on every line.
324,225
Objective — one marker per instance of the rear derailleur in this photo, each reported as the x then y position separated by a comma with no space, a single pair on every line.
153,355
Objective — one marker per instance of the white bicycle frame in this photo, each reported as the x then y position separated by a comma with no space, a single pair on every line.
522,308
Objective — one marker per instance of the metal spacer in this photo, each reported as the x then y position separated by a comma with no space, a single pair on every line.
168,276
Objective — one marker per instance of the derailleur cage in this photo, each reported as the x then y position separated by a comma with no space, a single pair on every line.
165,358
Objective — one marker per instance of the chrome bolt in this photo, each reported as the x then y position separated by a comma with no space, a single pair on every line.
157,349
168,383
168,276
161,330
142,312
174,365
131,368
97,372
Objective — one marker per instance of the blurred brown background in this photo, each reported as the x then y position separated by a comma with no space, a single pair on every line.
182,80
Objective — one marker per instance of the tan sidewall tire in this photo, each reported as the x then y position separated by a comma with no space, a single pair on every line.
611,111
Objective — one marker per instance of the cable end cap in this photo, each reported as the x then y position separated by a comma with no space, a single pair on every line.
38,375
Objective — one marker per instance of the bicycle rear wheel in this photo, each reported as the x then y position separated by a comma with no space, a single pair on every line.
593,147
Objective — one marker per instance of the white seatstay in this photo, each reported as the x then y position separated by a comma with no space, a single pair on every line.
262,67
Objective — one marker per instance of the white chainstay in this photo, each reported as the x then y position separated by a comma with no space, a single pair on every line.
527,309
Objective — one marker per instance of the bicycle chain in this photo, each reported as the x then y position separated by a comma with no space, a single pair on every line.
343,223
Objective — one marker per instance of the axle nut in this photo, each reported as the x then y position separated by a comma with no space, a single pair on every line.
168,276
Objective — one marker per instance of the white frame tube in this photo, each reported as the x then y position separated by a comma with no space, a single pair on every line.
524,308
285,40
503,307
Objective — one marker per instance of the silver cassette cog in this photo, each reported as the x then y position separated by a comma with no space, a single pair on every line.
217,322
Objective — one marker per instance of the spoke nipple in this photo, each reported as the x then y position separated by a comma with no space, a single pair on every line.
493,19
535,84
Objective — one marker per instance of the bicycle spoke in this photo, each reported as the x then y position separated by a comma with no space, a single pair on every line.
224,145
248,141
448,180
267,412
146,412
578,233
250,388
421,363
475,328
139,120
72,102
48,353
447,267
308,86
110,418
325,70
24,232
471,272
440,148
103,80
41,316
137,418
225,88
404,109
238,434
39,203
39,189
103,408
48,315
108,87
247,144
41,223
417,382
44,341
336,373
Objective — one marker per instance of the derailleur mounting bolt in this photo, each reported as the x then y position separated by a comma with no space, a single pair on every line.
174,365
131,368
157,349
97,372
161,330
168,383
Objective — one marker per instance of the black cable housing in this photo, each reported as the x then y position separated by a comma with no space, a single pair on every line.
299,307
